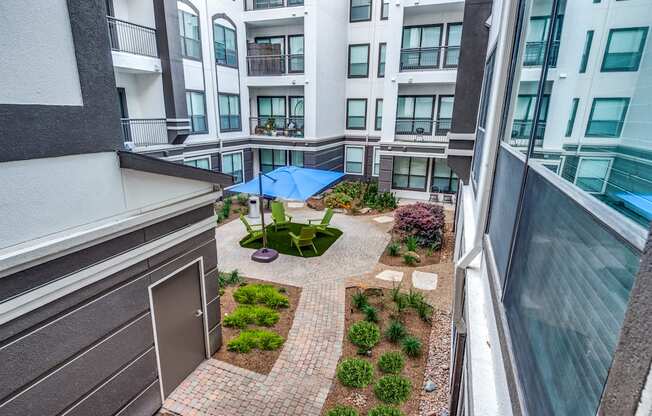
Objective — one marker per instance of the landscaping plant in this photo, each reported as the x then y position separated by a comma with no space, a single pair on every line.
391,362
411,346
424,311
395,332
355,372
359,300
393,389
411,258
242,199
261,294
423,221
411,243
231,278
245,315
383,410
394,249
255,339
364,335
415,298
338,200
342,411
353,189
370,313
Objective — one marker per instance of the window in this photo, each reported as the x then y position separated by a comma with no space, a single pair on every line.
296,158
229,107
384,10
378,124
359,61
356,114
587,51
445,114
453,42
232,165
271,110
537,36
420,47
295,60
272,40
478,146
571,119
382,52
592,174
296,112
196,103
201,163
226,50
354,160
414,114
376,167
624,49
607,117
190,40
524,119
410,173
272,159
443,178
360,10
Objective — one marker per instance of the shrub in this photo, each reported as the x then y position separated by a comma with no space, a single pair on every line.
338,200
424,311
342,411
391,362
245,315
382,410
353,189
423,221
394,249
380,201
415,298
393,389
411,243
255,338
355,372
364,335
395,332
411,346
370,313
359,300
231,278
261,294
242,199
411,258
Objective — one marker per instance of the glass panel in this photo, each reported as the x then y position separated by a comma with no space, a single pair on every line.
356,108
356,114
264,106
592,174
446,107
423,107
231,48
358,60
297,158
607,116
381,60
296,49
360,10
354,158
430,36
587,51
624,49
234,104
411,37
454,40
376,167
379,115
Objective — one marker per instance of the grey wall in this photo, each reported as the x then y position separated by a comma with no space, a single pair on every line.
386,168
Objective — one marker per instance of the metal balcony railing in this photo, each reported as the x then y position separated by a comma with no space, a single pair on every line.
277,126
270,4
132,38
422,130
534,52
275,64
420,59
145,131
522,129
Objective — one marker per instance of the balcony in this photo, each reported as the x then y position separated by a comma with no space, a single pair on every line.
270,65
422,130
145,131
534,52
521,131
270,4
132,38
277,126
426,59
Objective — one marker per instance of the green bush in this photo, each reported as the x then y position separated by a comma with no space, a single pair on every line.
364,335
391,362
231,278
242,199
255,339
411,346
355,372
359,300
245,315
261,294
338,200
394,249
424,311
411,243
395,332
380,201
342,411
411,258
402,301
393,389
370,313
353,189
415,298
382,410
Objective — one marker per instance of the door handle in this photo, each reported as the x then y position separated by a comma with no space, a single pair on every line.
198,313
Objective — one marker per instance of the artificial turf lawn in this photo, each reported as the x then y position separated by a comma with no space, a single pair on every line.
281,242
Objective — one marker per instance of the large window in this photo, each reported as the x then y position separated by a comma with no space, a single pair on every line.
414,114
453,42
226,49
272,159
420,47
295,60
354,160
360,10
232,164
382,52
356,114
410,173
359,61
607,117
378,122
196,103
190,40
443,178
229,106
271,110
624,49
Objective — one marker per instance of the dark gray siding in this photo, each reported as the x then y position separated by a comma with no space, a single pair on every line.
386,169
328,159
248,161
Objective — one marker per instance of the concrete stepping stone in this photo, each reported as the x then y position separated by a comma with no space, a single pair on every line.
295,205
383,219
424,280
390,275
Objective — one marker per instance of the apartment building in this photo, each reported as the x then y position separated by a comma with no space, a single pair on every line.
552,281
107,257
360,86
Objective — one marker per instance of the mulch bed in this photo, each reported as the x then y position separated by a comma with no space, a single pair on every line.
258,361
444,254
363,399
281,242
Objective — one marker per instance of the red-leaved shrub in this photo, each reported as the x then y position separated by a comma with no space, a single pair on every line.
421,220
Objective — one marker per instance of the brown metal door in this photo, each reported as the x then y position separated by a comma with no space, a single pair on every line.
179,320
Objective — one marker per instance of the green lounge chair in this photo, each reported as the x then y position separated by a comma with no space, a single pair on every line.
254,232
322,227
280,218
304,239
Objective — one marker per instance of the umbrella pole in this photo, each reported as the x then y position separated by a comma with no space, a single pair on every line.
262,210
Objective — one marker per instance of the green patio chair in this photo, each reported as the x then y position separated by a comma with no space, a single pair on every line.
304,239
322,227
254,232
280,218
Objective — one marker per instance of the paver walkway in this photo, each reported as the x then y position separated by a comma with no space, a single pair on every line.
301,377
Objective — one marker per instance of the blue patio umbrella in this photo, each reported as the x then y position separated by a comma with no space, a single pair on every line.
287,182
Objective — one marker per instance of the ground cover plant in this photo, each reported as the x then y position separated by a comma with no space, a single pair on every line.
261,294
250,339
355,372
245,315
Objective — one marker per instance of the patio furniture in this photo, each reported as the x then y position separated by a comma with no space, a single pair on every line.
280,218
323,223
253,234
304,239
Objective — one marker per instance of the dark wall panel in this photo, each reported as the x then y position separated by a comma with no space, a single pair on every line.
146,404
